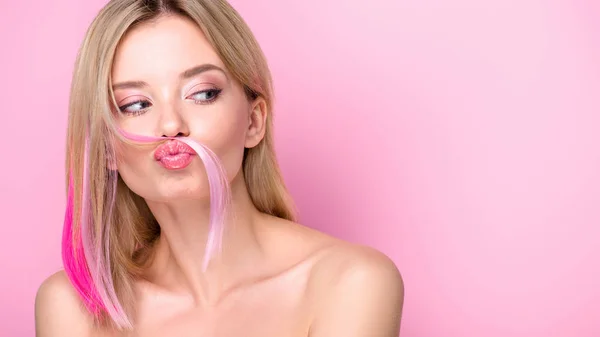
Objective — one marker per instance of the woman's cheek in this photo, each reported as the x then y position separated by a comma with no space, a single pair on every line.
227,142
224,134
132,160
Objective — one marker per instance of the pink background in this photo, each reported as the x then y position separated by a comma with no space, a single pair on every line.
460,137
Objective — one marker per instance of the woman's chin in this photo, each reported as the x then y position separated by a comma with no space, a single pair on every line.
175,192
182,194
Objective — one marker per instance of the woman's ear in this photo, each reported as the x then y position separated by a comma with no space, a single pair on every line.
257,122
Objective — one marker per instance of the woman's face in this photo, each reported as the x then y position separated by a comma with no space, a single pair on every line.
168,81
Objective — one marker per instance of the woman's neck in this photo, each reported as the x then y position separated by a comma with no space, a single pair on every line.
180,249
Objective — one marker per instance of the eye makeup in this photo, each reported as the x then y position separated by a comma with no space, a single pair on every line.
140,105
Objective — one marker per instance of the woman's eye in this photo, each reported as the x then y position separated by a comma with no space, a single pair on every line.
205,95
136,107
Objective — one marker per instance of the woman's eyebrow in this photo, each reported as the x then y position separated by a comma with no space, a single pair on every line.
129,85
200,69
184,75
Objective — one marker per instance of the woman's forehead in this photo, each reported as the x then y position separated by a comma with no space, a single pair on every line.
164,47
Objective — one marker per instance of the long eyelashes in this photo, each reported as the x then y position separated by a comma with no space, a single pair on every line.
211,93
144,105
139,107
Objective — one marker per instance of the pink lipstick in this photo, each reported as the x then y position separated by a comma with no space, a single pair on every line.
174,155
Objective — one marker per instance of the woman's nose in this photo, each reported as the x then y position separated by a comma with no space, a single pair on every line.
173,123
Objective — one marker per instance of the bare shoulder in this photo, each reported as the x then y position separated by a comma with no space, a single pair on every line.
356,291
336,264
58,309
351,265
333,260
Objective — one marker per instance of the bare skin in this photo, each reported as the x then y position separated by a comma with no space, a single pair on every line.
274,277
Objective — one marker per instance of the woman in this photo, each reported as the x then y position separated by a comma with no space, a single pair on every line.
178,222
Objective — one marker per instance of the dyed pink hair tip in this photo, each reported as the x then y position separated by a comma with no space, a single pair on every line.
86,262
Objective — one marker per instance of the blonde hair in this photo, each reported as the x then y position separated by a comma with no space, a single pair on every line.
103,260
